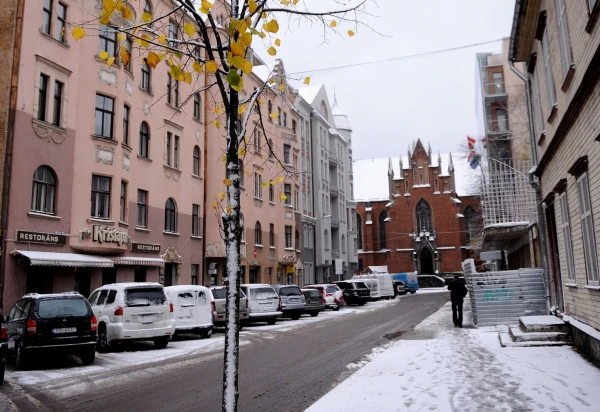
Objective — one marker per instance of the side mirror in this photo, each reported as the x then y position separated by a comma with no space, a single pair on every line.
6,318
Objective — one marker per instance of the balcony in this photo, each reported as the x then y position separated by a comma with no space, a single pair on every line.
499,126
333,159
335,253
335,221
494,92
333,190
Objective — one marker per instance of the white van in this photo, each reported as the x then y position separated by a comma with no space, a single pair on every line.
384,288
373,286
192,309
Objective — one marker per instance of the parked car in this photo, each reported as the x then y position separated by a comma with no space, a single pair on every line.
384,285
263,303
410,280
58,323
218,298
132,312
400,288
291,300
333,296
192,309
355,292
373,286
3,347
314,302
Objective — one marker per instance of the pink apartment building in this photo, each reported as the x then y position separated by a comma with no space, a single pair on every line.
108,170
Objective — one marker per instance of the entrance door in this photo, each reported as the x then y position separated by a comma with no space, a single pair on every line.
253,274
83,277
40,279
170,274
426,261
109,275
557,291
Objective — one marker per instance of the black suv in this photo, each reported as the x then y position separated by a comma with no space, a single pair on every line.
355,292
62,323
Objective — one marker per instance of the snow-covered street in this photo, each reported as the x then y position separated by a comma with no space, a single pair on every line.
438,367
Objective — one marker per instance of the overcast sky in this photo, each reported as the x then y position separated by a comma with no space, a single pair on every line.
390,104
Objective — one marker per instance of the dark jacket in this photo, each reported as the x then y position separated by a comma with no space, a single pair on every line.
458,289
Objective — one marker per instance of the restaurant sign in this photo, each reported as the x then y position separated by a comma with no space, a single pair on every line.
105,234
144,248
37,237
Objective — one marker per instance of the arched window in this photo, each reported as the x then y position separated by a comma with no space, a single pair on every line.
147,7
197,106
326,239
382,236
323,109
343,244
171,216
297,240
127,45
44,190
270,148
144,140
310,237
270,110
359,230
257,234
196,165
423,214
243,228
305,236
470,223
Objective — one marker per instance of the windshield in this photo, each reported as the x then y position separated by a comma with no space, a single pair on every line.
360,285
344,285
53,308
290,291
312,294
262,293
145,297
221,293
332,289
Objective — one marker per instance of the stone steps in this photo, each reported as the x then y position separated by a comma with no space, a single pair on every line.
537,331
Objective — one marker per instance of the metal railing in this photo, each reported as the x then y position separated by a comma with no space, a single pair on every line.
494,88
335,253
498,126
333,189
335,222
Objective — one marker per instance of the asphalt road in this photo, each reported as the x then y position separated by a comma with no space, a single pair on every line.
279,371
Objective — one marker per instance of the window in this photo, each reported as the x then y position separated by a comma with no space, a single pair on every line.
148,9
257,140
326,239
123,203
272,235
257,186
294,127
61,22
44,190
172,33
195,271
279,116
168,149
47,16
382,233
497,83
297,240
296,200
287,190
359,230
548,72
142,208
344,244
144,140
101,196
324,110
271,194
286,154
310,237
587,225
538,117
127,46
257,234
176,153
285,120
563,36
108,40
173,91
104,116
58,92
270,148
197,101
170,216
126,125
43,97
305,236
145,80
241,172
501,126
196,164
288,236
195,220
591,4
423,213
564,226
270,110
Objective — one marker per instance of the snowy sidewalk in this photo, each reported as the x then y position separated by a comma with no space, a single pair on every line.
438,367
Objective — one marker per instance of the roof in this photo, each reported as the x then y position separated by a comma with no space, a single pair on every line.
371,175
37,258
263,72
309,93
340,118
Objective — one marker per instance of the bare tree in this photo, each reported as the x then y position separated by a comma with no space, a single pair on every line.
217,41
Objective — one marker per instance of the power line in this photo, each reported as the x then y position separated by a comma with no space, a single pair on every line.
410,56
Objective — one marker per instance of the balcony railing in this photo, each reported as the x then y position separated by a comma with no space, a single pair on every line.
498,126
333,190
335,222
494,91
335,253
333,159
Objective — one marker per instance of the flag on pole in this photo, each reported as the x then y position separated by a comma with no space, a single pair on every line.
471,142
484,142
474,162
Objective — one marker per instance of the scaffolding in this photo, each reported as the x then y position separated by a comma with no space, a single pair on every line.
508,197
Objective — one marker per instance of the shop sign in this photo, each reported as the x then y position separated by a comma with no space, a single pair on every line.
105,234
290,269
144,248
289,258
37,237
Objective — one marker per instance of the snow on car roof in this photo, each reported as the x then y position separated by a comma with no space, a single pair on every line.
52,295
126,285
186,287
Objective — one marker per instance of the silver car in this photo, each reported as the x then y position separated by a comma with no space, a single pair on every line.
263,303
218,299
291,300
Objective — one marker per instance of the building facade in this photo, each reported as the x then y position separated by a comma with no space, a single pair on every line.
559,41
409,215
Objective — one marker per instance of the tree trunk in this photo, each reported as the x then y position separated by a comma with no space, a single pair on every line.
233,234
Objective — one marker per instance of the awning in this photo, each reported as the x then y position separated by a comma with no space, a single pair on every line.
37,258
138,261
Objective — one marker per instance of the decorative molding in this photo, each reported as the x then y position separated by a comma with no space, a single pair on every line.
48,132
579,166
175,125
103,154
215,249
128,87
561,186
146,108
107,76
172,174
126,162
541,26
53,64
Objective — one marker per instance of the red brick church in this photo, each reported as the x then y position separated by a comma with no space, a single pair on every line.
410,215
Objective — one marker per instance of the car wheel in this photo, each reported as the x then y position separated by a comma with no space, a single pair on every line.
361,303
20,358
271,321
103,344
161,343
314,314
296,316
241,326
336,308
87,358
412,292
204,334
2,367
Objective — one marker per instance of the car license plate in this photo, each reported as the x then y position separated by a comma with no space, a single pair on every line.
294,300
147,319
64,330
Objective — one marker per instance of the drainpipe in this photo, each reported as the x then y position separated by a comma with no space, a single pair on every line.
10,134
535,184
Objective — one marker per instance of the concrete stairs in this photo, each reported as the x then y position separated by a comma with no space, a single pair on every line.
537,331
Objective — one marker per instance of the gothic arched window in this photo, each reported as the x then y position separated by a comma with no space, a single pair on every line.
470,223
359,231
424,223
382,236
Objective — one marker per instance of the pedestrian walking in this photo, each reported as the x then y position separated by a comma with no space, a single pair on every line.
458,291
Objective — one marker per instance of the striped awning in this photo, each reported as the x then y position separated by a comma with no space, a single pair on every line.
138,261
37,258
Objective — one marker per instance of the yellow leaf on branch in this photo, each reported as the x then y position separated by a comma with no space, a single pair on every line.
351,33
221,196
271,50
214,205
247,69
110,62
242,108
237,48
271,182
281,87
264,184
272,80
125,57
197,67
212,66
227,182
307,81
237,62
262,35
280,179
189,29
224,159
78,33
217,124
187,77
152,59
285,2
246,39
229,209
127,13
283,197
333,23
277,42
242,151
120,36
248,172
273,115
272,26
146,17
162,39
103,55
145,41
206,4
252,6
